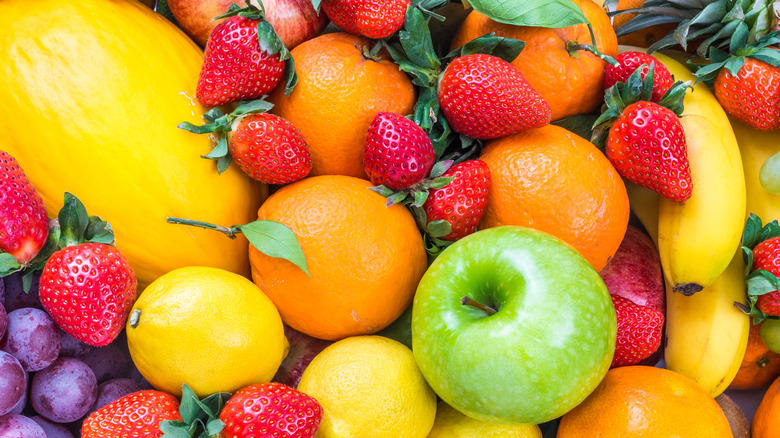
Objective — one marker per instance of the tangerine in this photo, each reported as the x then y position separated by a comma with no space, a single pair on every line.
766,420
759,365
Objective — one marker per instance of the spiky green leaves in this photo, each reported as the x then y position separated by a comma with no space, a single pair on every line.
758,281
200,417
739,50
417,194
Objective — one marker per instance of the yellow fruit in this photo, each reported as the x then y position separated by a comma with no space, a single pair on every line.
451,423
209,328
92,92
369,387
755,147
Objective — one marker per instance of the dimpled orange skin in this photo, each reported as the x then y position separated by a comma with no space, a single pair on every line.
570,83
365,259
339,91
766,421
557,182
646,402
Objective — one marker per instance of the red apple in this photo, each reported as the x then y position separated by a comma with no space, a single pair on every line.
294,20
303,348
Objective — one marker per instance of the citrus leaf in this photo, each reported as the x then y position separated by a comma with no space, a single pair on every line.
540,13
275,240
8,264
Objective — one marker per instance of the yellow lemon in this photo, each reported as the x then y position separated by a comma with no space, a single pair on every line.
369,387
451,423
212,329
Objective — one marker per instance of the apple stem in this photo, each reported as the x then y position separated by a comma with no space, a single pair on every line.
469,302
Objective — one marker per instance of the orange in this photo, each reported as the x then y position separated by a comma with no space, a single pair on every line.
570,80
365,259
647,402
557,182
641,38
339,91
759,366
766,420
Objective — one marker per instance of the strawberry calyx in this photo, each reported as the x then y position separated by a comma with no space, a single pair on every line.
758,281
417,194
200,417
739,50
217,121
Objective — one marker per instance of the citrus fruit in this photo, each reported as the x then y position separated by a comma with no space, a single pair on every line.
557,182
451,423
212,329
643,401
340,89
759,365
369,387
766,420
365,259
570,80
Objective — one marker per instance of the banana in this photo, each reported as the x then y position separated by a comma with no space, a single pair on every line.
644,204
755,147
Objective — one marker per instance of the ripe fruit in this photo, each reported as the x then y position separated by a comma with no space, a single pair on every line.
752,95
639,331
15,425
13,382
461,203
137,414
270,409
398,153
582,201
628,62
24,225
451,423
369,18
766,262
64,391
303,348
766,420
760,365
484,96
33,338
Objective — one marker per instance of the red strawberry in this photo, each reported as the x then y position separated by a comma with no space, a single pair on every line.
628,62
24,225
646,144
639,331
370,18
135,415
270,410
483,96
766,256
239,63
89,290
461,203
398,153
753,96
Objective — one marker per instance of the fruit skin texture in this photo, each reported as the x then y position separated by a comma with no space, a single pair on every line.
365,259
647,131
398,153
462,202
760,365
130,148
570,83
24,226
370,386
766,420
339,92
766,256
756,147
88,290
484,96
557,182
550,357
639,332
629,62
135,415
270,409
451,423
753,96
235,66
269,149
369,18
646,401
209,328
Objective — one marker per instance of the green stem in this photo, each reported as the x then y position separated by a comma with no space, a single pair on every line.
469,302
573,47
228,231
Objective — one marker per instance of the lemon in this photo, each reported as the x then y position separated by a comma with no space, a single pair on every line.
369,387
451,423
212,329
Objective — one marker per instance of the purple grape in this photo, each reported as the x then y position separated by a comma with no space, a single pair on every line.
107,362
32,337
72,347
19,408
13,382
16,297
138,378
113,389
19,426
2,291
3,320
52,429
64,391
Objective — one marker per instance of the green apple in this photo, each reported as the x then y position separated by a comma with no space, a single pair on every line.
535,336
770,334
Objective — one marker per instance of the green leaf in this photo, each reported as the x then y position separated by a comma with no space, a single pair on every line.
214,427
189,409
420,197
213,404
417,42
99,231
507,49
439,228
752,231
769,231
540,13
290,77
73,221
252,107
739,38
267,38
761,282
441,181
8,264
382,190
440,167
220,150
275,240
195,129
581,124
747,259
316,4
174,429
770,56
734,64
395,198
223,163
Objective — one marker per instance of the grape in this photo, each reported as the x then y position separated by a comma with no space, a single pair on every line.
52,430
113,389
18,426
137,377
19,408
2,291
3,320
72,347
13,382
16,298
769,175
64,391
107,362
32,337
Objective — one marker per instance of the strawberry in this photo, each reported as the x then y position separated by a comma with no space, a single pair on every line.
272,410
24,226
752,95
398,153
135,415
369,18
766,256
244,58
483,96
639,331
455,210
628,62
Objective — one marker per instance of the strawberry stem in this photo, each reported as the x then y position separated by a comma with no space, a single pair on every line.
231,232
469,302
574,47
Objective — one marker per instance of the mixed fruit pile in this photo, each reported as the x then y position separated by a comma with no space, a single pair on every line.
406,218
